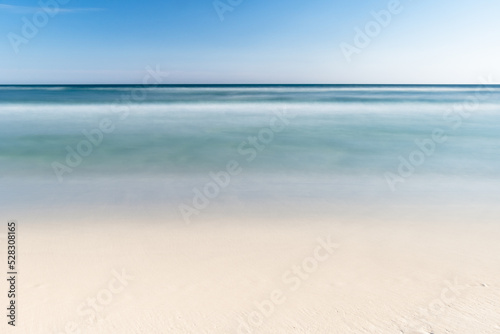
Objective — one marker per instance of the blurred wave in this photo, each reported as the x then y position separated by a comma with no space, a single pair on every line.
344,130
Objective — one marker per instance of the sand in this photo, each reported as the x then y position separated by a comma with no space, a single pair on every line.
287,277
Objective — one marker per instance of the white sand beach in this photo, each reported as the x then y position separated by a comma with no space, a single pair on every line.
223,276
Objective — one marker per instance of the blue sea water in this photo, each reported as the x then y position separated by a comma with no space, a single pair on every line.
335,144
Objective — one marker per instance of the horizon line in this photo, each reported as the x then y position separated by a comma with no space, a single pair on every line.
247,84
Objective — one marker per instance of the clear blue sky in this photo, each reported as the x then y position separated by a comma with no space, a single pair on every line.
259,41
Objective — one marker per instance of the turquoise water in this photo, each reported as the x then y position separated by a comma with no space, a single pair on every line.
337,142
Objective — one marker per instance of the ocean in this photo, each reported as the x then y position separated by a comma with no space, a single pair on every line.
188,150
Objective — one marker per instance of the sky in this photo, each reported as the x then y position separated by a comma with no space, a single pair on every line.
249,41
